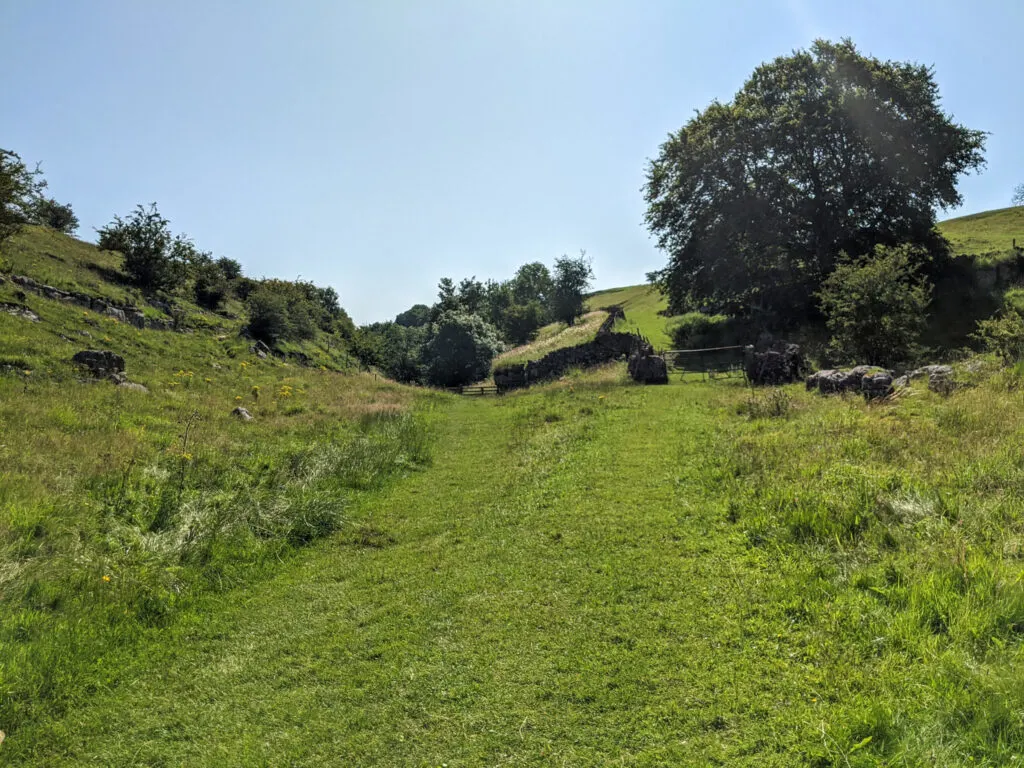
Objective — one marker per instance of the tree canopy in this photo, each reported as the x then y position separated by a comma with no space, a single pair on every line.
822,152
572,278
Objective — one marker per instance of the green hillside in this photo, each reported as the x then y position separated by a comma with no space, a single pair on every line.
989,235
120,505
642,304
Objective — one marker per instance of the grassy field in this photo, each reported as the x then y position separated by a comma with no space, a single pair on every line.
585,573
988,235
642,305
595,573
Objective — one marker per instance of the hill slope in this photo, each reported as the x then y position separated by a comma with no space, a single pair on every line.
642,304
989,234
120,505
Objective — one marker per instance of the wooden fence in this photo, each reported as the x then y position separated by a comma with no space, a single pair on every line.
473,390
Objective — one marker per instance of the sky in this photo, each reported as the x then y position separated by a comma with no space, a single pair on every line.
377,146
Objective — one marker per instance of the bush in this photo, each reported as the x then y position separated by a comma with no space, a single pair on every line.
460,349
696,330
1003,335
58,216
268,316
875,306
211,287
144,239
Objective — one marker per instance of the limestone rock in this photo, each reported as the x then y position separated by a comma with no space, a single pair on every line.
133,386
782,363
242,413
19,311
100,363
117,314
876,385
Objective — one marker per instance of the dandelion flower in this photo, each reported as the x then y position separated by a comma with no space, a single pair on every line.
106,577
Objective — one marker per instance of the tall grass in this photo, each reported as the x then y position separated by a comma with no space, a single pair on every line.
125,553
903,529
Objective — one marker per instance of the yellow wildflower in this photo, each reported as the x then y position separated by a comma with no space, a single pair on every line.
106,577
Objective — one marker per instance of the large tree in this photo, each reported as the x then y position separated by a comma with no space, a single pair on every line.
822,152
571,281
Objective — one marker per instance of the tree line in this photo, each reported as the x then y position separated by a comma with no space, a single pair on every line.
454,341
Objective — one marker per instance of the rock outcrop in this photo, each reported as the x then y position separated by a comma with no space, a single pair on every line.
781,363
125,313
19,311
101,364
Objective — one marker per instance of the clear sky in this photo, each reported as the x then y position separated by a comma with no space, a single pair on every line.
377,146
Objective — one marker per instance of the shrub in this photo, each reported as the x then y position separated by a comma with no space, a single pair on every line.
58,216
144,239
875,306
1003,335
211,287
268,316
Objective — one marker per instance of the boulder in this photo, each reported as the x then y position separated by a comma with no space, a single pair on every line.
941,381
25,282
242,413
931,370
137,319
901,382
648,369
260,349
876,385
117,314
133,386
100,363
782,363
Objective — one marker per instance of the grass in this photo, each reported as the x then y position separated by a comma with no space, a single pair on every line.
642,305
987,235
554,336
588,572
120,508
596,573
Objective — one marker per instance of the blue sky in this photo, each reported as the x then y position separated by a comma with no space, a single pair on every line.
376,146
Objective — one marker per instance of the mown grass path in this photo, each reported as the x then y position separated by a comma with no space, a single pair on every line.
562,589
